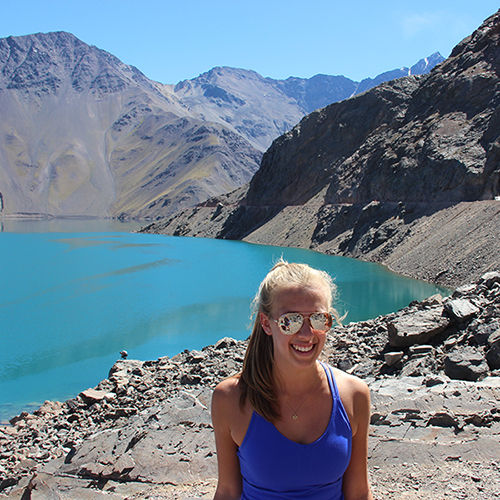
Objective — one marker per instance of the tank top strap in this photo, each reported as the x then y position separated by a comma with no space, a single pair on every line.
331,380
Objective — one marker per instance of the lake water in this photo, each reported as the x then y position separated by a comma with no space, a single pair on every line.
73,294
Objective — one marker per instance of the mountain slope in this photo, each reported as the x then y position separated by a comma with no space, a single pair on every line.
261,109
78,130
383,171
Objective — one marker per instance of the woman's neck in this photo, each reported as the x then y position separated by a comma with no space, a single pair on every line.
293,382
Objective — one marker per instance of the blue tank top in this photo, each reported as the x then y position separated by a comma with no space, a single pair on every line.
274,467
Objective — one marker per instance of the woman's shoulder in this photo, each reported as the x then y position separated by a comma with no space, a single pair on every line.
227,392
355,383
353,391
229,385
350,382
355,396
228,412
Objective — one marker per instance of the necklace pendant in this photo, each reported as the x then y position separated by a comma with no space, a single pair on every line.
295,417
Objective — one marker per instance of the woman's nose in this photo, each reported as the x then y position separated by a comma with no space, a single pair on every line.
306,330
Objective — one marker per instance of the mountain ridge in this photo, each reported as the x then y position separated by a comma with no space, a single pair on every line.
221,94
77,130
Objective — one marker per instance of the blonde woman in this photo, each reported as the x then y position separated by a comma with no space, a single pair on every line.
289,426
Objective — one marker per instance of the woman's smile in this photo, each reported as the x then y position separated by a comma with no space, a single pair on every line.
303,348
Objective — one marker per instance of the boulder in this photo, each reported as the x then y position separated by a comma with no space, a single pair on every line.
443,419
417,327
483,332
489,279
461,309
91,396
493,354
391,358
420,350
466,364
171,444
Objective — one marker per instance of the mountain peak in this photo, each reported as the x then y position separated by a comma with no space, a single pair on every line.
42,63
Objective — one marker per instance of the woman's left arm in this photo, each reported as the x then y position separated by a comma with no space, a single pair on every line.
356,485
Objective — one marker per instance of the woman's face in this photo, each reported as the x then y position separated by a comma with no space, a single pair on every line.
302,348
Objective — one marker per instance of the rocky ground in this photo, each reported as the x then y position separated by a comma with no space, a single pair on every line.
145,432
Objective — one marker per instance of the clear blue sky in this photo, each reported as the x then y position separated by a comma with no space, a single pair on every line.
170,41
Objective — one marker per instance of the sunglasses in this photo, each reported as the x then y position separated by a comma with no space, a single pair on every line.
291,323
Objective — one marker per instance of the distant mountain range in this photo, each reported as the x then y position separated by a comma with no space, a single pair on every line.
261,109
83,134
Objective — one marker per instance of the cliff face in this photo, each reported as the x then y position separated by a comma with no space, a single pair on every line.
416,139
384,170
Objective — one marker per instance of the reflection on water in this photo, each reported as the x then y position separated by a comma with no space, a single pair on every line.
65,225
70,302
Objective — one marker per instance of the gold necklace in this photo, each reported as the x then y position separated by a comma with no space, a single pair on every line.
295,415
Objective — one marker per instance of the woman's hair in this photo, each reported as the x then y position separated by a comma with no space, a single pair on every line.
257,379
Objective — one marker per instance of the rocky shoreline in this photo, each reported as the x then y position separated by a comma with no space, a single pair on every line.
145,432
449,244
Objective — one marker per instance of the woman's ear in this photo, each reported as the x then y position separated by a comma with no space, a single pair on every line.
266,324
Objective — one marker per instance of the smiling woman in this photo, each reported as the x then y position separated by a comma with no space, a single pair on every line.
286,412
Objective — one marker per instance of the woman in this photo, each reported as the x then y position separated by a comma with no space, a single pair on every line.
288,426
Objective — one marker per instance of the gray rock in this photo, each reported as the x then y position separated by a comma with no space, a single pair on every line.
466,364
417,327
461,309
434,380
464,290
91,396
443,419
172,445
493,353
483,331
489,279
391,358
416,350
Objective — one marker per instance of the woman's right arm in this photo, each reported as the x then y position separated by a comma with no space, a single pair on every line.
225,406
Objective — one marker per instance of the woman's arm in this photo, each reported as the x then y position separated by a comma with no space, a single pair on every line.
225,404
355,482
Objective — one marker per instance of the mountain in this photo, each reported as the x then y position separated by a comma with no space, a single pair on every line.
406,174
261,109
83,134
422,67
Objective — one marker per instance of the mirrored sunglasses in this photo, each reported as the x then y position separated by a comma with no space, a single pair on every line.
291,323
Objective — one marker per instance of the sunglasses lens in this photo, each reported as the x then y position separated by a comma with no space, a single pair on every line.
321,322
290,323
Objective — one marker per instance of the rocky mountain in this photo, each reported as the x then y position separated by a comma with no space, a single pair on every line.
262,109
407,174
83,134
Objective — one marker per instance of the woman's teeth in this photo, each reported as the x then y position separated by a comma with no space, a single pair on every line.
303,348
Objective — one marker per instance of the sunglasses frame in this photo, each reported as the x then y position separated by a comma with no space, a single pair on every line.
328,322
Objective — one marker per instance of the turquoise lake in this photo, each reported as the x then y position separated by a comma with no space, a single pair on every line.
73,294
